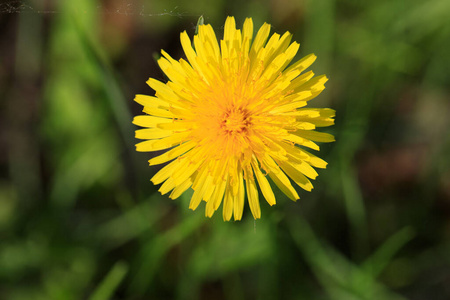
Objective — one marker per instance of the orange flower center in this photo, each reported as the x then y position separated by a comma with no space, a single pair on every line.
235,121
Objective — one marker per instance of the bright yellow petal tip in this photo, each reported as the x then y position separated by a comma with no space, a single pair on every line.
233,115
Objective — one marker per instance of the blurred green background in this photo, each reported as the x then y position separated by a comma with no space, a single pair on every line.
79,218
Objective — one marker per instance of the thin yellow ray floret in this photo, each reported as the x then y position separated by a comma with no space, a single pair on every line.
216,198
172,154
263,184
228,204
238,203
149,121
161,144
201,182
181,188
252,194
152,133
296,175
150,101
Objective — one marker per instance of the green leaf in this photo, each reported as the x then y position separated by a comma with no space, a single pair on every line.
111,281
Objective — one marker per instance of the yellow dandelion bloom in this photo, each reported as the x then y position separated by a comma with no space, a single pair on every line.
233,115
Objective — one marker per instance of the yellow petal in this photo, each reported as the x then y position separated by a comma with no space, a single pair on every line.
163,91
165,172
229,31
315,84
149,121
167,186
228,204
252,194
157,112
150,101
315,136
296,175
281,180
264,184
175,126
206,33
187,47
300,81
247,35
314,160
188,165
213,204
152,133
260,39
164,143
301,141
303,63
172,154
180,189
238,203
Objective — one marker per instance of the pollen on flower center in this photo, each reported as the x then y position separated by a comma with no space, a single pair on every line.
235,121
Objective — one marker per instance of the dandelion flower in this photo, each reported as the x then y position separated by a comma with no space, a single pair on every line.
233,115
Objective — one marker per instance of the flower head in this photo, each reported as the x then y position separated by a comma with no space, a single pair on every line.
233,115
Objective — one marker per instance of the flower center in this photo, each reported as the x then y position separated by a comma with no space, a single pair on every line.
235,121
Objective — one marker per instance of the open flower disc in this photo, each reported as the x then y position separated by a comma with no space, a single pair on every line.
233,115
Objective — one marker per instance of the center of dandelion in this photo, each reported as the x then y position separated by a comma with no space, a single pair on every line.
235,121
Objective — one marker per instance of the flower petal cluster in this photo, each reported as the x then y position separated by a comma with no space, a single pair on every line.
233,115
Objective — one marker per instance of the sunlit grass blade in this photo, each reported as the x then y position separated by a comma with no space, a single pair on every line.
341,278
131,223
110,283
151,254
377,262
111,86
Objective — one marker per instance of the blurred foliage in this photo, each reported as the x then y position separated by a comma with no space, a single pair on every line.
79,218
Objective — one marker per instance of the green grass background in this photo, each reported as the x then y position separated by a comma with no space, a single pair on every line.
79,218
